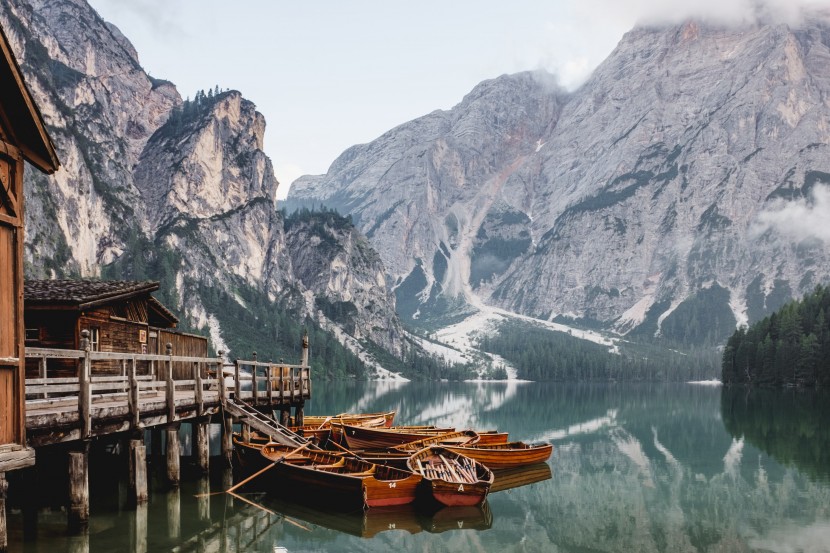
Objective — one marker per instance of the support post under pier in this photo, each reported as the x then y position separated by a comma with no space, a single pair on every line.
173,455
138,472
227,439
298,414
201,446
79,488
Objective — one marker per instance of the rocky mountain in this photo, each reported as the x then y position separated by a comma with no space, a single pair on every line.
156,187
678,192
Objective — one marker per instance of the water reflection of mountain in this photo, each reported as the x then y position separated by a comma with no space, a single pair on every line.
634,468
789,425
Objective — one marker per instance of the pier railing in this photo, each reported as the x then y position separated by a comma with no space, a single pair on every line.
270,383
73,388
131,389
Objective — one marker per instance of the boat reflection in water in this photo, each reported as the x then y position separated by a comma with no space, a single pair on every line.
411,519
368,523
507,479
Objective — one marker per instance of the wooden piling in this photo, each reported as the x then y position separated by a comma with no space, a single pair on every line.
227,439
79,489
4,536
138,472
285,415
298,414
201,446
173,456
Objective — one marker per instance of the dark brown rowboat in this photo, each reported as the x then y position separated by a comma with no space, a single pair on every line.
337,479
463,437
452,479
504,456
359,437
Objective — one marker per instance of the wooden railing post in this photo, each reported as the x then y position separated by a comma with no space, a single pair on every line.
198,384
171,386
270,372
254,387
85,392
282,383
220,374
236,393
43,366
304,361
135,419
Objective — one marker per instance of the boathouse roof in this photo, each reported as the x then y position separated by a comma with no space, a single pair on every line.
87,293
23,120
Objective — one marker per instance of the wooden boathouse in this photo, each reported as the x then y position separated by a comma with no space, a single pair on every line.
102,376
22,137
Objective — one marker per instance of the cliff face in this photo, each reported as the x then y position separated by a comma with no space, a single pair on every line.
673,177
184,187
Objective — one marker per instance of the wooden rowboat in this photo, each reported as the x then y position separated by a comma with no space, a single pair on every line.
504,456
360,437
362,419
337,479
463,437
452,478
489,437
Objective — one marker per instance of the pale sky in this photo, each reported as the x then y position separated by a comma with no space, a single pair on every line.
327,75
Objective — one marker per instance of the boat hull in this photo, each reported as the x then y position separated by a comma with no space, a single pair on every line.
335,479
360,437
452,479
505,456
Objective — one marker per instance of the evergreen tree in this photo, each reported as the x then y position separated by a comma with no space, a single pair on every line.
791,347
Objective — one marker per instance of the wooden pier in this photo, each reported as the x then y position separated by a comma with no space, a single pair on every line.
153,392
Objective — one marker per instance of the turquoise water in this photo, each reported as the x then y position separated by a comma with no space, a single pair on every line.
634,468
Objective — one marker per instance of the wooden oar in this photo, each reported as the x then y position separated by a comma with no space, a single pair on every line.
269,467
352,453
275,463
324,423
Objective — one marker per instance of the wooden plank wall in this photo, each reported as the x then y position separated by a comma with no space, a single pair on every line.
7,336
186,345
11,295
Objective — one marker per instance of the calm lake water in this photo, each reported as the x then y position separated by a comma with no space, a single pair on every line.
635,468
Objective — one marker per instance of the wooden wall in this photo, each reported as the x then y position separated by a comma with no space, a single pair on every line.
11,295
185,345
